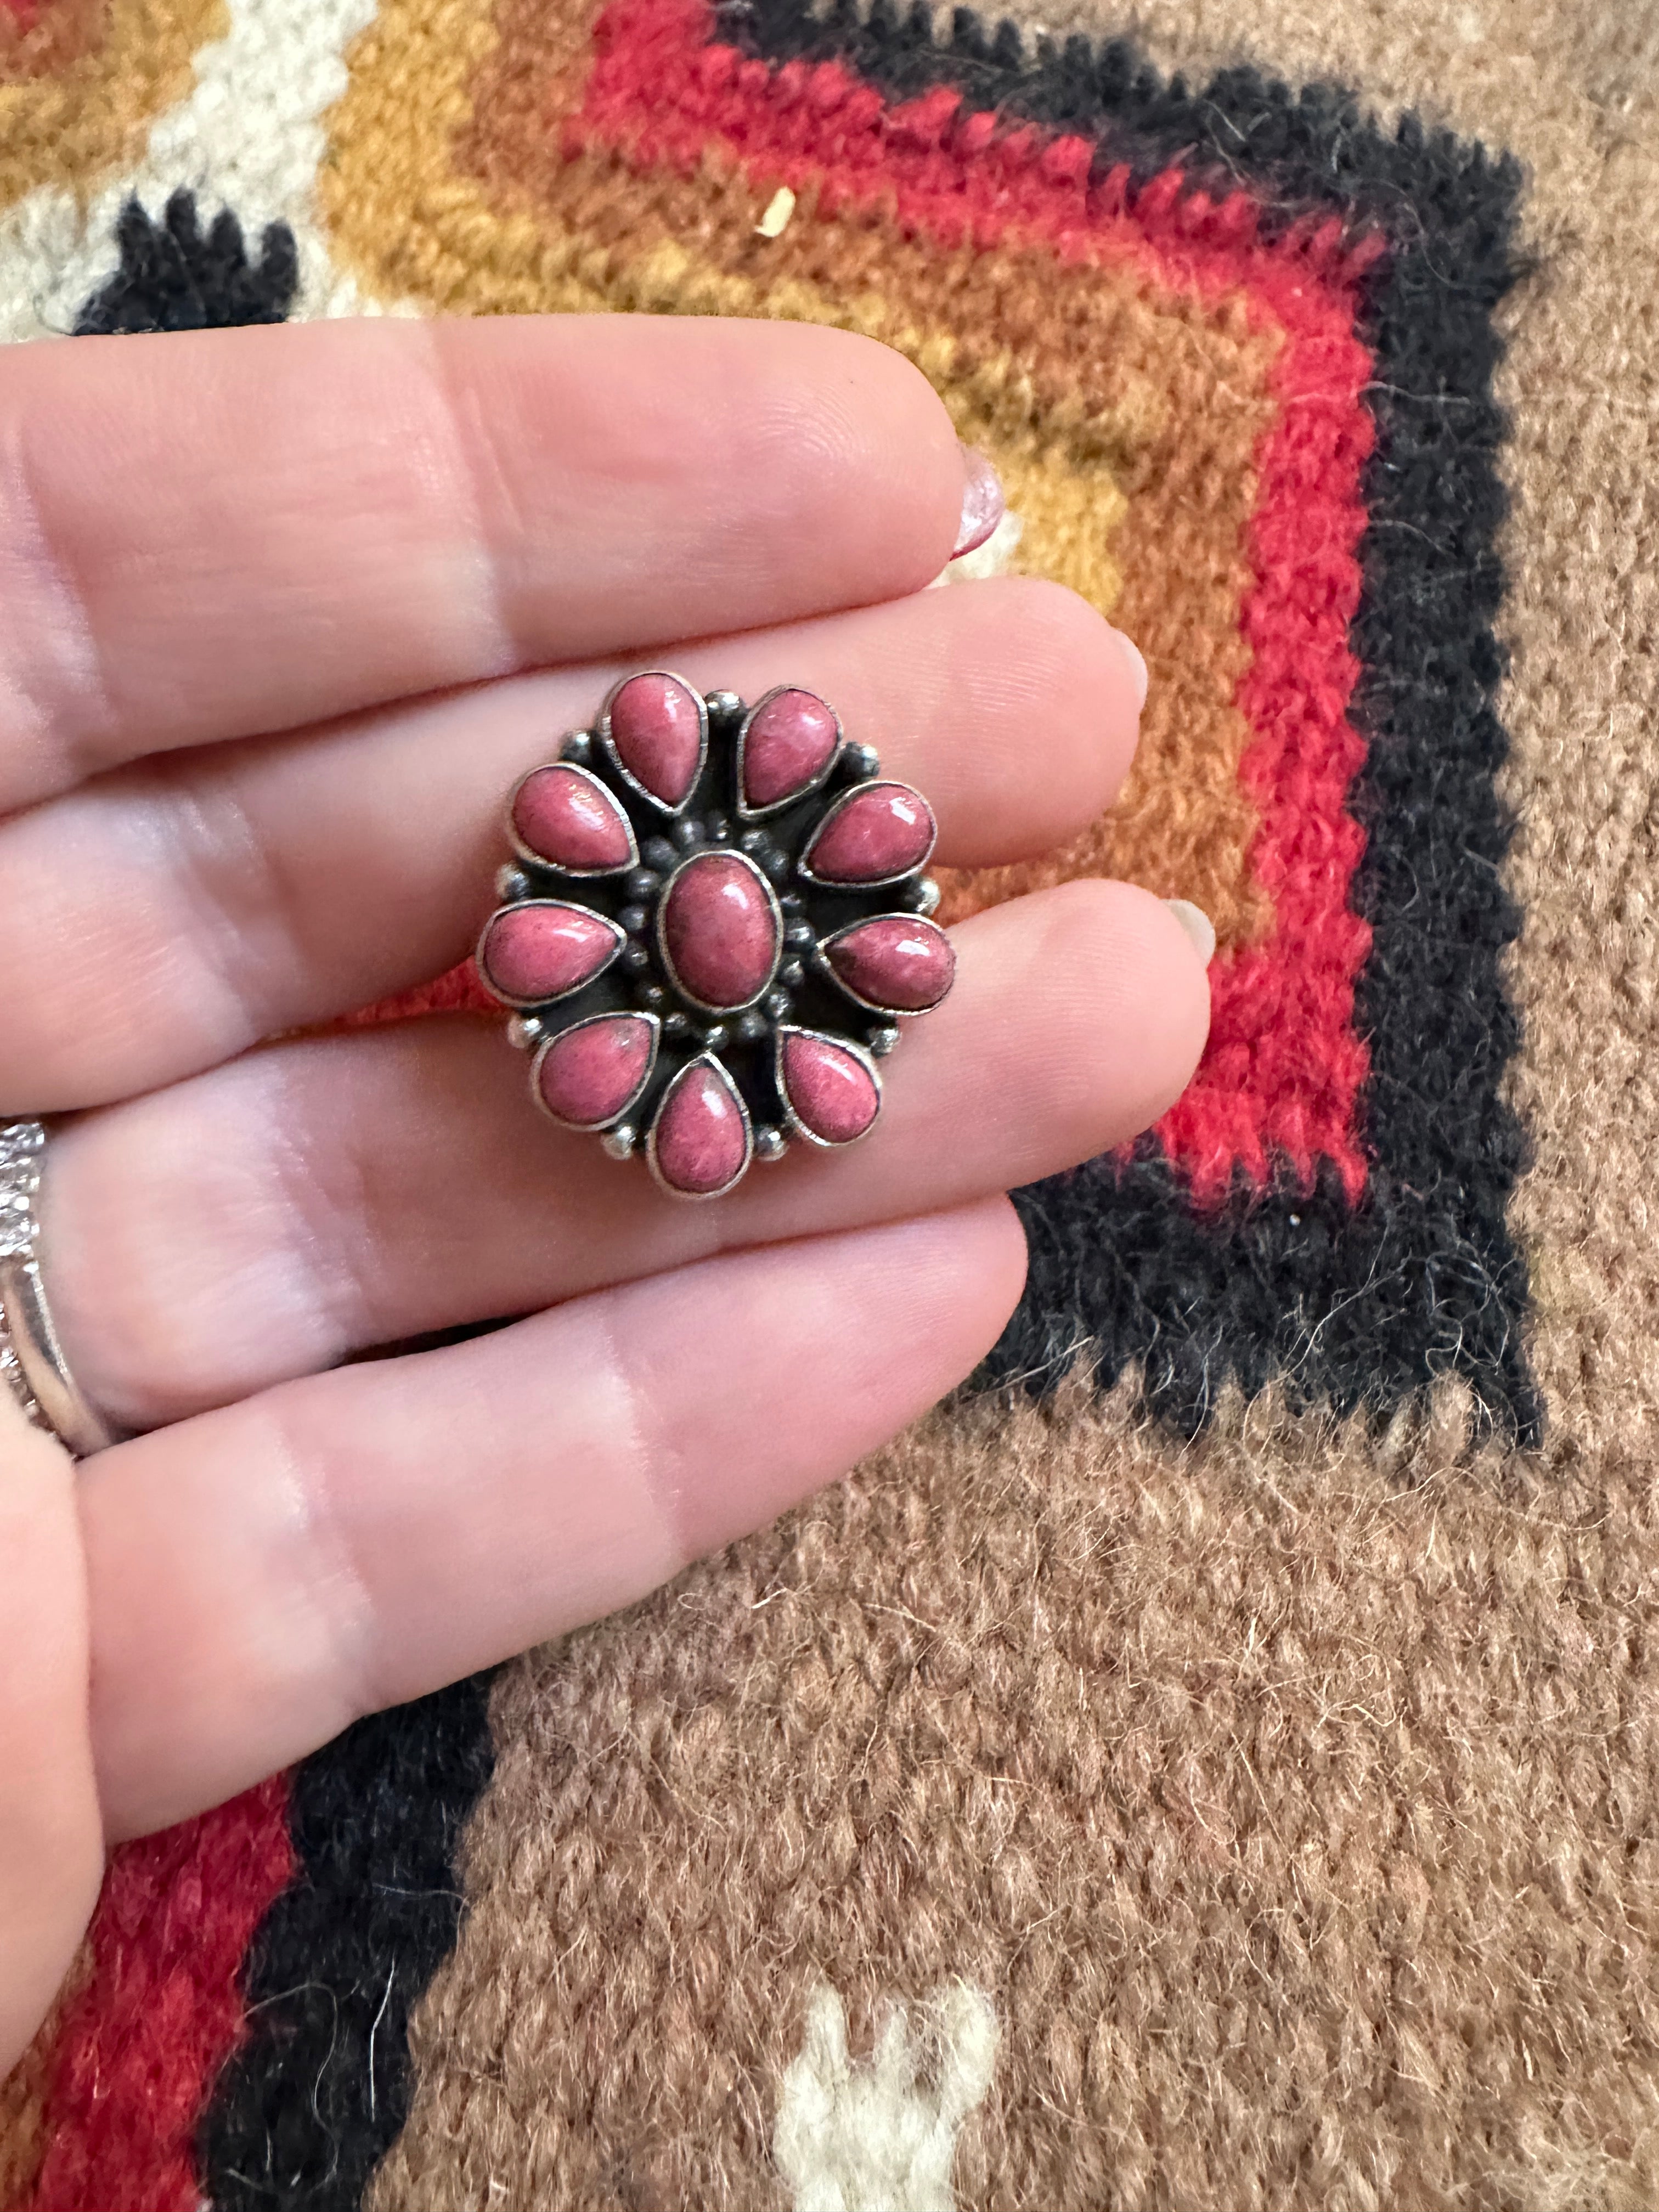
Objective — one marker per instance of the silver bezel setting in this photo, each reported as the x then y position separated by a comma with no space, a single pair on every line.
821,960
749,813
547,998
659,931
541,860
804,866
698,1197
796,1126
608,743
587,1022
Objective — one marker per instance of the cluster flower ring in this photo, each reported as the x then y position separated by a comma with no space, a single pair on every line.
716,919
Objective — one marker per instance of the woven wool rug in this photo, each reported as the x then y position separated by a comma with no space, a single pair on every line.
1212,1762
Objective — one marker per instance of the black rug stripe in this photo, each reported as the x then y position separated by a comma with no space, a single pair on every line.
1366,1307
175,276
315,2098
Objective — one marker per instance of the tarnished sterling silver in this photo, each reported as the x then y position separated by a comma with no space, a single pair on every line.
31,1359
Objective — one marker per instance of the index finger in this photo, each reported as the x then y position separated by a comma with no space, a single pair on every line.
238,532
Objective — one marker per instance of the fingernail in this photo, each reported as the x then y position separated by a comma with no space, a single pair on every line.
982,504
1137,661
1197,925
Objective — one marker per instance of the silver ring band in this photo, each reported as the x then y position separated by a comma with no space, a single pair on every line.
31,1359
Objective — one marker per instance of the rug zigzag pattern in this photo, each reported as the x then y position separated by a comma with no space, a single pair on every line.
1424,1279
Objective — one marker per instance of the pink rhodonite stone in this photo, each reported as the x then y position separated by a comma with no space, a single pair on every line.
657,731
898,962
789,744
545,949
882,830
830,1090
719,930
699,1139
588,1075
572,820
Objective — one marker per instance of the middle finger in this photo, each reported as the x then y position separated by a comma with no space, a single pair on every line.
334,1193
190,906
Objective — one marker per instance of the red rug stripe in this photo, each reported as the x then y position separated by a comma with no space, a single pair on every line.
143,2042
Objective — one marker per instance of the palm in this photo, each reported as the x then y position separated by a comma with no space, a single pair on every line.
219,548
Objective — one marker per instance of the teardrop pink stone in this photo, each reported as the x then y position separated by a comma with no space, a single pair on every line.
570,819
658,734
829,1089
787,745
545,950
883,830
699,1141
898,962
719,930
589,1074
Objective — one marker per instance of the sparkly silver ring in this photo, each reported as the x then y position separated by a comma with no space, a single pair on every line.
32,1361
715,922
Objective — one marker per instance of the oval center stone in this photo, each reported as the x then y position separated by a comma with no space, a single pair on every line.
719,931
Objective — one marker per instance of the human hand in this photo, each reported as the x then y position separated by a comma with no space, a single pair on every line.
268,598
